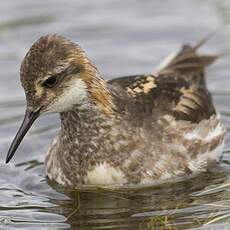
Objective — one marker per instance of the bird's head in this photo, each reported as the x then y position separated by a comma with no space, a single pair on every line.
57,75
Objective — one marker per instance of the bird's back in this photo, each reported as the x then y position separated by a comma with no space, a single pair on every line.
177,89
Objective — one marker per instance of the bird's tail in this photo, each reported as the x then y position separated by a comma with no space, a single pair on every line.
187,60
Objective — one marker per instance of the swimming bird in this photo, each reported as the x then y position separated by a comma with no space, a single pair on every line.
130,130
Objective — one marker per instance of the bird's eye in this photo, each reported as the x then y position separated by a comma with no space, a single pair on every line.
50,82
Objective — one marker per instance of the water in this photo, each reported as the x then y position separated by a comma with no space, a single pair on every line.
121,37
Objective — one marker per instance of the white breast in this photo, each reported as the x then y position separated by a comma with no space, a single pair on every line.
104,174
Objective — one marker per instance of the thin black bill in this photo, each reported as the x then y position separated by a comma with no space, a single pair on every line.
30,117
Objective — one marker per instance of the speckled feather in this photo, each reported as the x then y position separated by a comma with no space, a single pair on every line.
134,129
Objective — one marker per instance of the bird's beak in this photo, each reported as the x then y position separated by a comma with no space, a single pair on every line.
30,117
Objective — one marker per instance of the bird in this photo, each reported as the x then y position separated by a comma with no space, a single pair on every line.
130,130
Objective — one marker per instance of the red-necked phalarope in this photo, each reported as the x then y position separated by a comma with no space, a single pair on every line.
136,129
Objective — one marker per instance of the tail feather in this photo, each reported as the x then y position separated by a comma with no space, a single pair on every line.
187,60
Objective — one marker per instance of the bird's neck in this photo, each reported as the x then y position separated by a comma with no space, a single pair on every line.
83,127
98,89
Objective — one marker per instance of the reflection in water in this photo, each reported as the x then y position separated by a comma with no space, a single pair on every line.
169,205
122,37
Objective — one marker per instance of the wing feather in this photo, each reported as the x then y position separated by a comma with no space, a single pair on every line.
177,89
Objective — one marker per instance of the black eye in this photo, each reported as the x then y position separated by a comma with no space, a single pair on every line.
50,82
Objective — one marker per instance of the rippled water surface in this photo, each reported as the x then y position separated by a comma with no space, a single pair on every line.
121,37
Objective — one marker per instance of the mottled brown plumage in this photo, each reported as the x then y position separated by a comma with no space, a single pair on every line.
135,129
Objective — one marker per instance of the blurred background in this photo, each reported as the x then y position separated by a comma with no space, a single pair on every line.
122,38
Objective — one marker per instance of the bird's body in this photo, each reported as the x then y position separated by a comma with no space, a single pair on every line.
130,130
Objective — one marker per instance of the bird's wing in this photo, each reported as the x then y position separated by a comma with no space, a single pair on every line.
177,89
